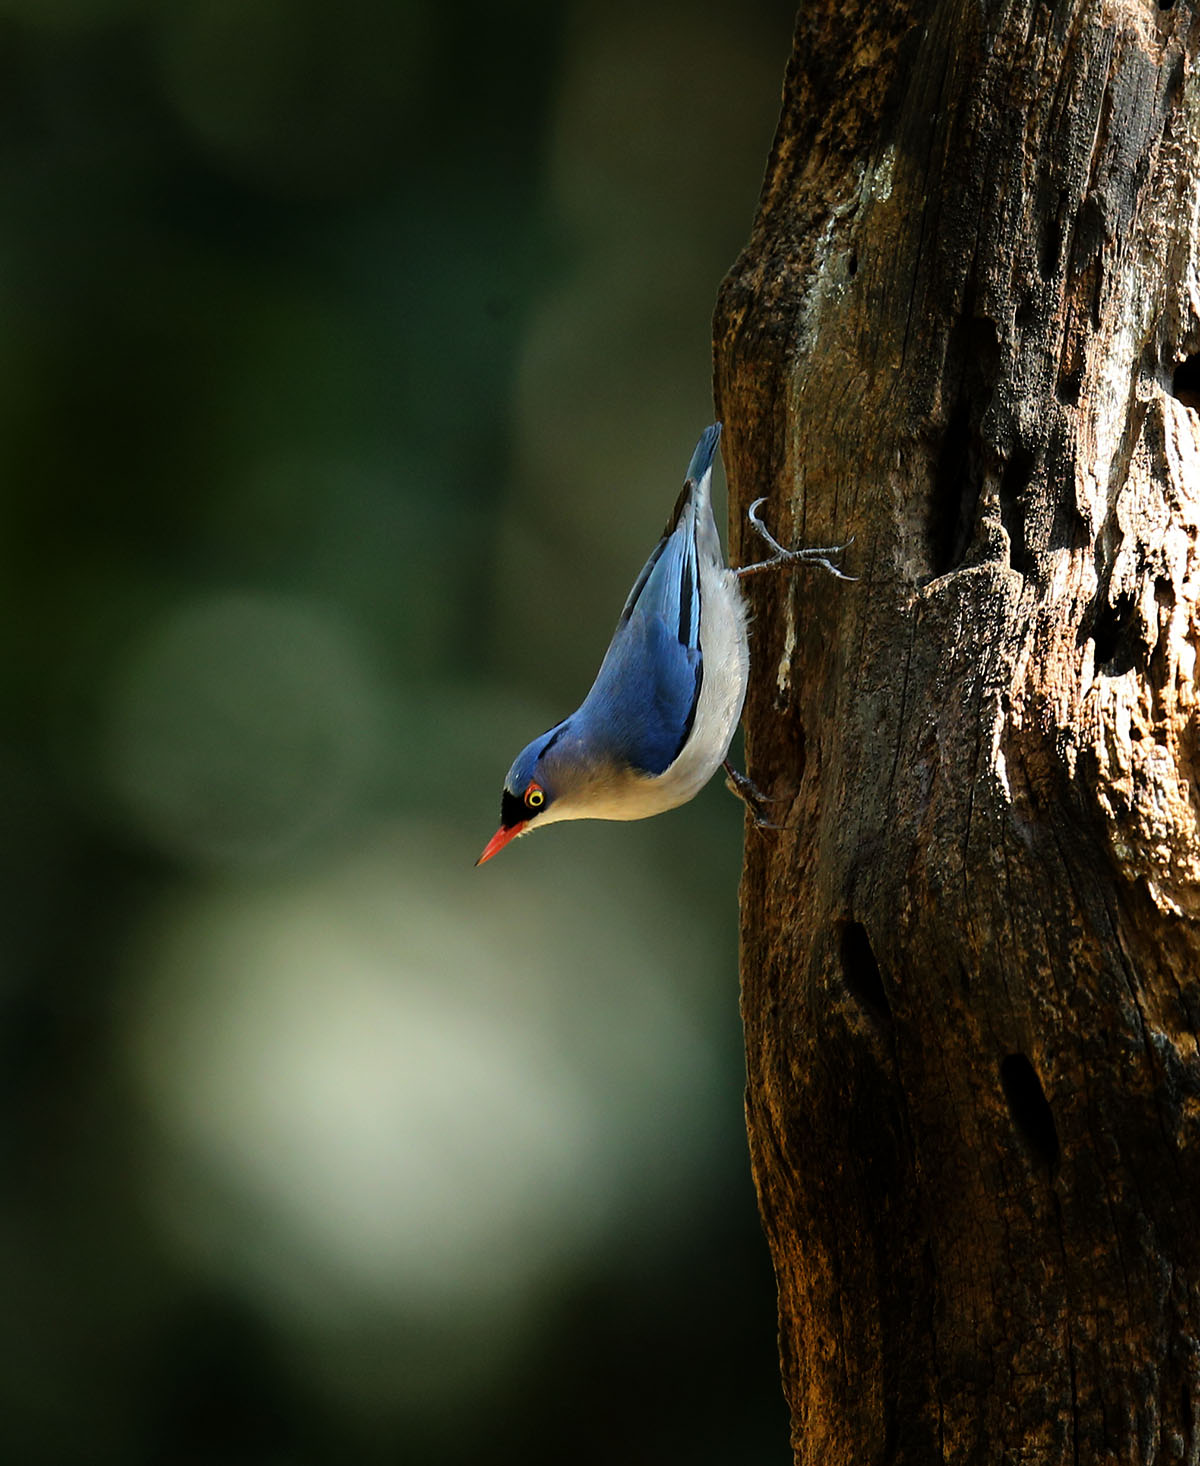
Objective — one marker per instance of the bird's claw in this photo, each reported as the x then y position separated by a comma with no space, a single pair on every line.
813,555
751,796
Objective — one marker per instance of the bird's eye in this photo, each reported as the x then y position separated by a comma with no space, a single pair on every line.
535,796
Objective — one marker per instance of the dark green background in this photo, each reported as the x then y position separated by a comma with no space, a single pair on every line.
350,359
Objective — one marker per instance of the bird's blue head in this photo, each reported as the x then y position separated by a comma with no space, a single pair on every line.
530,788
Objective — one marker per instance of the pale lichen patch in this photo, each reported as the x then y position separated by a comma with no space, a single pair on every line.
783,675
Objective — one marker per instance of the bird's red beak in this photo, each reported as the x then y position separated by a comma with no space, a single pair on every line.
499,840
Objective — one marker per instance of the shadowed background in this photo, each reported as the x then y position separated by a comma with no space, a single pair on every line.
351,358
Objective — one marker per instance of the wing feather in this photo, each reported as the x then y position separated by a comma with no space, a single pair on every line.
644,698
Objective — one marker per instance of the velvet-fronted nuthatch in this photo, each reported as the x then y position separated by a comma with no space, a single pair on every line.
662,711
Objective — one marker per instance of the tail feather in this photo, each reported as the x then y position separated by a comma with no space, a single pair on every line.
702,461
705,452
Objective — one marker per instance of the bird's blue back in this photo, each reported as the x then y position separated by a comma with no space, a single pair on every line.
642,705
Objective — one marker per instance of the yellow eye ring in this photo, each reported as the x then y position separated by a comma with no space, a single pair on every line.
535,796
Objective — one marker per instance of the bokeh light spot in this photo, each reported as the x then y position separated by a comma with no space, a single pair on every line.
410,1088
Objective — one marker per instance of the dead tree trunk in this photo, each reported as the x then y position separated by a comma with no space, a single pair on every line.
965,330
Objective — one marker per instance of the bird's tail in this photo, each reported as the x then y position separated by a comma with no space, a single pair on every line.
702,461
706,450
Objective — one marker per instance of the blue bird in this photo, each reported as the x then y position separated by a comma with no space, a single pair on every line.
662,711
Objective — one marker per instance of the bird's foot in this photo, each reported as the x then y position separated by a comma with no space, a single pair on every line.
751,796
782,556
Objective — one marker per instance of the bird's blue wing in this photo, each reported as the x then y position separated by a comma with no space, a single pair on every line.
643,702
702,460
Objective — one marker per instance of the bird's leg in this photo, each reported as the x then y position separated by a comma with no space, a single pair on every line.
750,794
782,556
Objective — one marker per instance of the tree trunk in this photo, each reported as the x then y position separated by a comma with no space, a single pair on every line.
965,331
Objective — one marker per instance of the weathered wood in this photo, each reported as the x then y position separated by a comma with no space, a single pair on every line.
965,330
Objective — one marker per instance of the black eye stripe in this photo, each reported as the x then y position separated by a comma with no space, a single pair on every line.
512,810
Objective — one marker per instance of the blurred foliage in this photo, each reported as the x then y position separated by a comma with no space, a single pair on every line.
351,356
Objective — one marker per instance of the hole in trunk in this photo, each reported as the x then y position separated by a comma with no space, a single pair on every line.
860,972
1051,247
959,469
1113,635
1030,1109
1185,382
1068,388
1017,475
1016,478
955,493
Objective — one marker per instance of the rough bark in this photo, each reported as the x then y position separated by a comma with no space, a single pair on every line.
965,331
